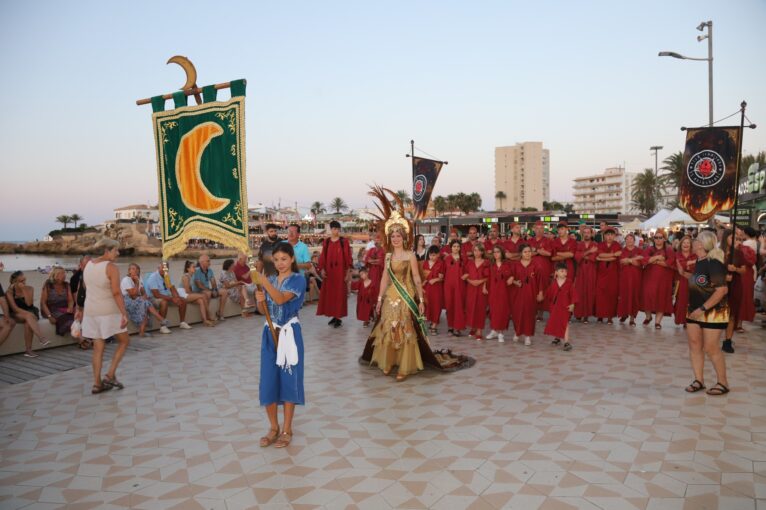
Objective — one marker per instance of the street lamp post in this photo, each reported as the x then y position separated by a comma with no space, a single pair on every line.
709,59
655,148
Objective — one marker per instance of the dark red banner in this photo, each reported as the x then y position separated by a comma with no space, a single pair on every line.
424,175
709,179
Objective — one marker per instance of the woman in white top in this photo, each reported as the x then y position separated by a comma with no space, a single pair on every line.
105,315
137,305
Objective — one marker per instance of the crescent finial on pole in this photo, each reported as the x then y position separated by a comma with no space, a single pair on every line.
191,74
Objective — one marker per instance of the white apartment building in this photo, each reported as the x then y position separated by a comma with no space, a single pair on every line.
137,212
606,193
522,172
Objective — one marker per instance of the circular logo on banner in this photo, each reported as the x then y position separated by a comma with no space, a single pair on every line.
419,187
701,280
706,169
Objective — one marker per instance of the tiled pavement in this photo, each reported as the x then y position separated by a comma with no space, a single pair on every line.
606,426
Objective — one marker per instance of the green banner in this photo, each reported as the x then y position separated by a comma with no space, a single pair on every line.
201,172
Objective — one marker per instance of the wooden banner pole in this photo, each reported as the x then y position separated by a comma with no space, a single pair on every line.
187,92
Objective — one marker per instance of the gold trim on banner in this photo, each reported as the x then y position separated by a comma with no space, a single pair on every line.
195,227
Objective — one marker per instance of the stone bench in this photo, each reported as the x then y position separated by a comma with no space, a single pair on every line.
15,343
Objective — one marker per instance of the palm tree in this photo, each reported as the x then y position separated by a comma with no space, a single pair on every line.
673,172
64,219
404,197
474,200
646,192
440,204
338,205
500,195
749,159
317,208
75,218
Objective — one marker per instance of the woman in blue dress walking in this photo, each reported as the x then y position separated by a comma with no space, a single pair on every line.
282,361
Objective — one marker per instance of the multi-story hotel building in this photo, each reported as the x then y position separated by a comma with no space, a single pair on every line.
606,193
522,172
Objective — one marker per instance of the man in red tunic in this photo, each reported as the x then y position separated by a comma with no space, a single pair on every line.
512,244
585,281
608,277
563,249
466,251
335,263
373,260
492,239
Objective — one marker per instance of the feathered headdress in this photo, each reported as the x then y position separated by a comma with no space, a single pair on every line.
391,217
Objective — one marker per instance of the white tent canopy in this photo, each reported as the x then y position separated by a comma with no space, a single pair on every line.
665,217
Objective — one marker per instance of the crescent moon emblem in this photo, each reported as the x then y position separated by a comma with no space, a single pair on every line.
193,191
188,67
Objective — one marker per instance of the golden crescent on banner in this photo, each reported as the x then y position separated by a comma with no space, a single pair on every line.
188,67
193,191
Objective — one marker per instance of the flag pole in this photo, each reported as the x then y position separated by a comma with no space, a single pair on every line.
743,105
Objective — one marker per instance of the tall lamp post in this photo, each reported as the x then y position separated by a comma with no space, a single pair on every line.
709,36
655,148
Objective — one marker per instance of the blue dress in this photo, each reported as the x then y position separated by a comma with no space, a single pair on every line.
278,385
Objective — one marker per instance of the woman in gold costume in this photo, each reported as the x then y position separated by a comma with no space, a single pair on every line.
398,337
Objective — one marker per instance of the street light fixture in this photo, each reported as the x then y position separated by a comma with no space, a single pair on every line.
709,59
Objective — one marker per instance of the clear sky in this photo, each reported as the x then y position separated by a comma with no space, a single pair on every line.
337,89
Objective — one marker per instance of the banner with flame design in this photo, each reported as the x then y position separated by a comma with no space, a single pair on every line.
708,182
201,170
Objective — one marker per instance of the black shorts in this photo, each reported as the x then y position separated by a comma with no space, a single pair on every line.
708,325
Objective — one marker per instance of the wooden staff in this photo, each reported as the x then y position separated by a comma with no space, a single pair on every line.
187,92
256,277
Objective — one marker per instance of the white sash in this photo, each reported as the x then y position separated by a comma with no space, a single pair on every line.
287,351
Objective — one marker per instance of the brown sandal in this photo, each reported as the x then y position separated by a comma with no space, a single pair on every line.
268,439
284,440
99,388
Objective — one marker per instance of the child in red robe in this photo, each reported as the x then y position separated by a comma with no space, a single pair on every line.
562,298
527,292
607,277
365,296
499,303
631,267
433,287
454,290
476,274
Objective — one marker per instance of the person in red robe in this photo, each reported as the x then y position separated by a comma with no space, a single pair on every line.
499,303
607,277
493,238
740,294
659,264
585,281
563,249
447,248
527,292
466,251
365,296
685,261
562,297
454,290
476,274
631,268
433,287
335,263
541,251
512,243
374,259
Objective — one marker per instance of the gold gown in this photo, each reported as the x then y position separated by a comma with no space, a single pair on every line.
395,337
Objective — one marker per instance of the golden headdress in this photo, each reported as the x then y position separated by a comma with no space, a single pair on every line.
391,217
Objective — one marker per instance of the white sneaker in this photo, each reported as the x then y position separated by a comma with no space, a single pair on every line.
515,338
500,338
183,325
164,330
492,334
527,341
